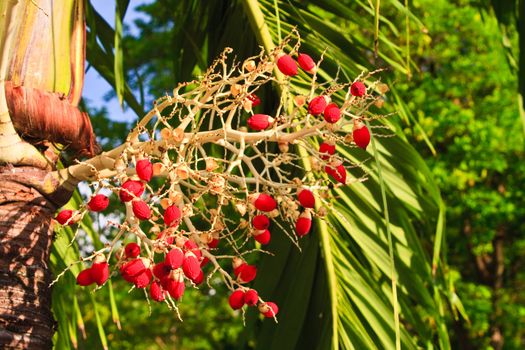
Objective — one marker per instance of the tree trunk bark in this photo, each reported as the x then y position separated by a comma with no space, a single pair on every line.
26,233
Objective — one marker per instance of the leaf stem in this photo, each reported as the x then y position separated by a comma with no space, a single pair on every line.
390,244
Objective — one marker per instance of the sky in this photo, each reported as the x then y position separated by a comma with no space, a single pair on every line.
95,87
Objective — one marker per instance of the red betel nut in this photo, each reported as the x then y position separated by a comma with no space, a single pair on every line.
251,297
84,278
172,216
287,65
303,224
174,258
262,236
199,279
141,210
131,189
264,202
143,279
236,299
193,247
254,99
332,113
326,150
144,169
317,105
175,284
261,222
132,250
64,217
338,173
134,268
214,243
162,270
306,63
98,203
269,309
155,292
358,89
260,122
306,198
191,266
246,273
100,272
361,135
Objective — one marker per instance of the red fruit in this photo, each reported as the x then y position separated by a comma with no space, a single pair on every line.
100,273
338,173
332,113
144,169
247,273
128,278
98,203
306,198
214,243
174,258
176,289
326,150
237,263
262,236
155,292
132,250
269,309
251,297
161,270
317,105
134,267
264,202
303,224
361,135
306,63
358,89
199,279
64,217
254,99
204,261
193,247
261,222
236,299
141,210
175,285
237,269
172,216
84,278
260,121
143,279
287,65
191,266
131,189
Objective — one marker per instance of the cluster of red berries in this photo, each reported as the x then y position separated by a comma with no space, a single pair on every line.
183,259
250,297
174,258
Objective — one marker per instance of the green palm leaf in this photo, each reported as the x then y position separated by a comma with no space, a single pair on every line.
336,292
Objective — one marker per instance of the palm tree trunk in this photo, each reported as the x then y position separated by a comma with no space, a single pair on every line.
41,69
26,321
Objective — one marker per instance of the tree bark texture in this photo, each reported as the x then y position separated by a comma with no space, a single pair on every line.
26,321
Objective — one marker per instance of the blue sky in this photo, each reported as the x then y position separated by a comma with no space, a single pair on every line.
95,87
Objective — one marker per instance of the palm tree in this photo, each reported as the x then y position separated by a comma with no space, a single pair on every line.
369,278
41,80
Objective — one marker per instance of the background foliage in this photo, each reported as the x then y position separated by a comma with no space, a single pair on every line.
459,110
465,99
